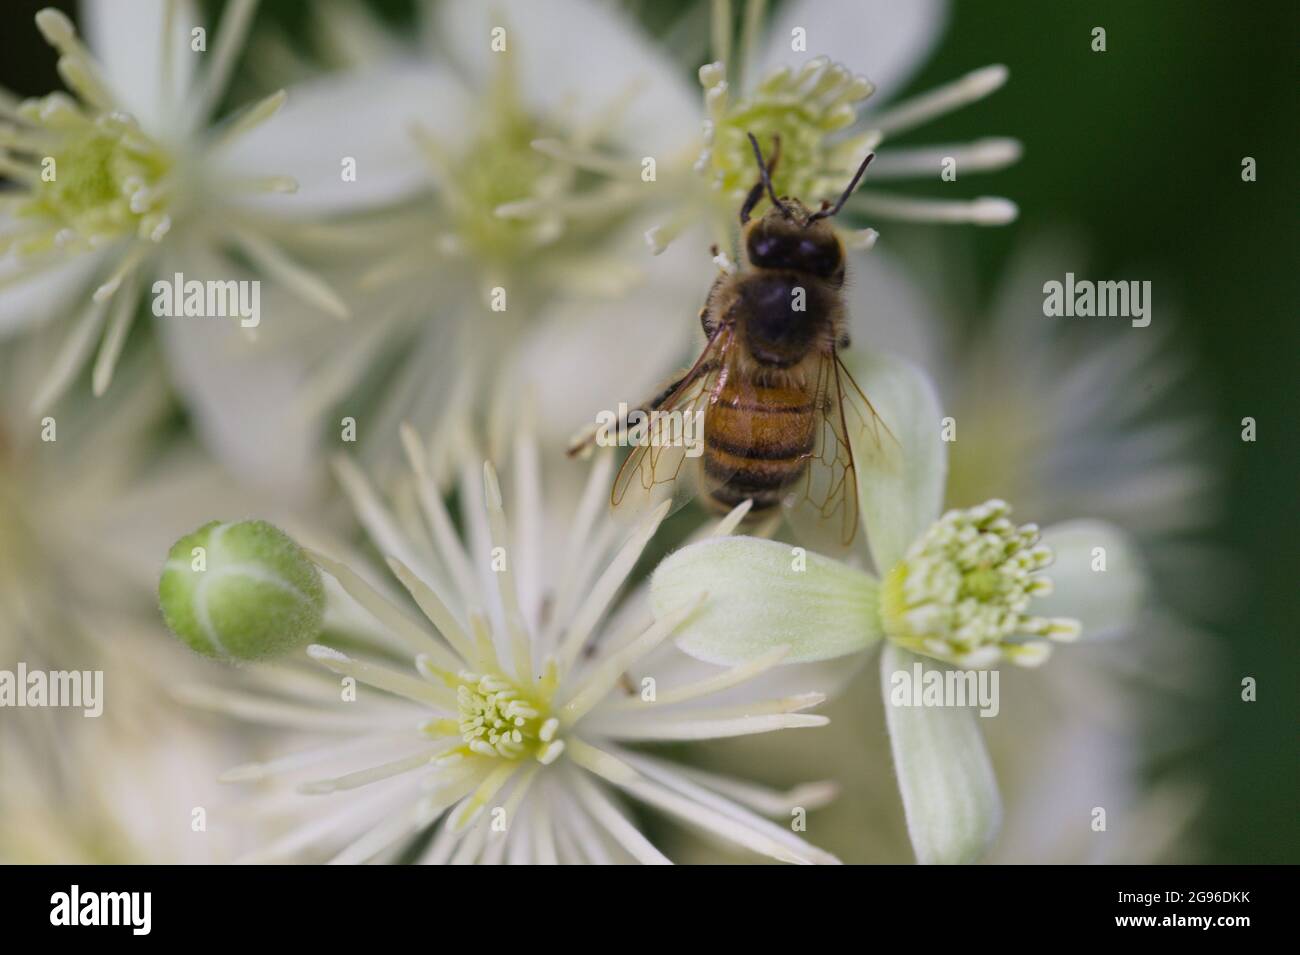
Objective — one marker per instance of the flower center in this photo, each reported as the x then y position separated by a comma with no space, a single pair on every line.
963,591
498,169
106,179
805,109
498,719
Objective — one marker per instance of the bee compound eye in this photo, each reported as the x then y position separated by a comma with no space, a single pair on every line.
762,247
819,257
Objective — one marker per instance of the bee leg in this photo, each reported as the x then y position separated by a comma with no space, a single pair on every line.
705,322
581,443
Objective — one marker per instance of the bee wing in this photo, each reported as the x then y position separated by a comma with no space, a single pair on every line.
664,463
823,510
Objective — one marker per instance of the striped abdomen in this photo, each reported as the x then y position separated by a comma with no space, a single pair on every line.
757,442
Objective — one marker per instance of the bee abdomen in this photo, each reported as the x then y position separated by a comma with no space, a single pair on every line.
757,449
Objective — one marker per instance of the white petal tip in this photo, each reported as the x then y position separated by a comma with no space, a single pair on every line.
322,654
242,774
55,26
994,210
491,486
987,79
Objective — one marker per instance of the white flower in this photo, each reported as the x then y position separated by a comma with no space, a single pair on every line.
473,261
511,731
128,180
1063,419
816,102
1079,735
953,588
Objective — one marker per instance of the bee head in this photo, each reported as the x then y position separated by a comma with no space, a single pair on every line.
789,235
785,238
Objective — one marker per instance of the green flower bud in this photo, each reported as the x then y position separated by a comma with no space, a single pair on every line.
241,591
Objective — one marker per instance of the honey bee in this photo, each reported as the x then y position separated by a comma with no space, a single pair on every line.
769,386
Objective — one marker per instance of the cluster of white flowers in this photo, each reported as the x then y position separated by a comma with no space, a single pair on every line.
452,233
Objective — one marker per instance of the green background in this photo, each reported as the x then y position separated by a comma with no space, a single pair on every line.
1139,149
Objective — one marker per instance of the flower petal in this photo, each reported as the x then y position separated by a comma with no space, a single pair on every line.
888,308
245,399
127,42
560,77
307,141
950,795
900,472
1106,600
758,600
642,348
34,299
885,40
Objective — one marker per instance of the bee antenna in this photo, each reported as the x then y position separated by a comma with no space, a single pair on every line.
824,212
765,177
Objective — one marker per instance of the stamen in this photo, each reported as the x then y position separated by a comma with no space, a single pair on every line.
601,680
497,720
124,268
72,356
986,210
229,41
985,155
110,349
586,159
970,88
519,638
725,680
76,65
19,172
281,185
392,681
860,240
806,109
297,279
721,32
963,591
603,591
434,608
250,119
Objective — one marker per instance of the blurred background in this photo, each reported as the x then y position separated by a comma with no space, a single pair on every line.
1131,170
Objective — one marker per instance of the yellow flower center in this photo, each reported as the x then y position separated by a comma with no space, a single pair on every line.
805,108
496,718
963,591
102,178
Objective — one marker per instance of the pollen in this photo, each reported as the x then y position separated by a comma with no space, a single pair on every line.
90,180
497,719
963,592
496,190
806,108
